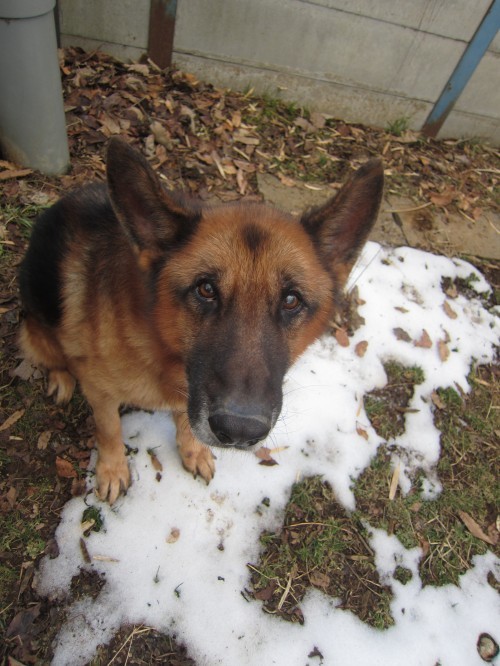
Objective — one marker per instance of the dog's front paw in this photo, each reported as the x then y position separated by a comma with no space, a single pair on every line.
198,459
113,477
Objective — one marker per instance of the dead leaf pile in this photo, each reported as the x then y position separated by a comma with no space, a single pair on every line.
204,139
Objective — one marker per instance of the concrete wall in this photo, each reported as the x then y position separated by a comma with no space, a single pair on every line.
118,27
361,60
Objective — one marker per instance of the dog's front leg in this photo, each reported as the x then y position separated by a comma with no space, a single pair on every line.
196,457
112,471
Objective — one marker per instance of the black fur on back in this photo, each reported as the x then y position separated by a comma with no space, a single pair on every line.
88,210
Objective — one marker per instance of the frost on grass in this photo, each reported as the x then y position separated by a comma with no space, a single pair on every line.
174,552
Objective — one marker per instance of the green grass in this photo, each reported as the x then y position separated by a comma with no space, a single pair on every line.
23,216
467,470
398,126
20,532
272,107
386,407
93,514
320,546
8,577
433,525
4,460
323,546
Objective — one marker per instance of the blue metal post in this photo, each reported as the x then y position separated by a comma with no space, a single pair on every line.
464,70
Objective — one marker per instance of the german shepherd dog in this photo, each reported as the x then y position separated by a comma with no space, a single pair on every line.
152,299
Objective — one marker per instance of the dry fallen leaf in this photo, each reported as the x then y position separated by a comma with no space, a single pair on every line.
242,137
451,291
443,198
84,551
104,558
475,529
43,440
25,370
394,482
449,311
319,579
78,487
443,350
65,469
268,463
285,180
161,134
424,340
425,546
267,592
493,531
139,68
242,182
9,498
236,119
265,456
154,461
360,348
342,337
362,432
18,173
318,120
174,535
4,164
109,125
11,420
87,525
476,380
437,400
401,334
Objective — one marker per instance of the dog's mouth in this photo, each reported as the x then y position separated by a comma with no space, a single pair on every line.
251,445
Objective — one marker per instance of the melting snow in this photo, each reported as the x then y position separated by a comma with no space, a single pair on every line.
174,552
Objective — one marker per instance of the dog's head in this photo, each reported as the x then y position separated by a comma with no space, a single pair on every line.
239,290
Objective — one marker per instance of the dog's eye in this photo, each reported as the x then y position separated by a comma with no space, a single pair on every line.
291,302
206,291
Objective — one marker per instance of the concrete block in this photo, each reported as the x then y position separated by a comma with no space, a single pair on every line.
482,93
460,124
107,21
457,20
324,43
495,44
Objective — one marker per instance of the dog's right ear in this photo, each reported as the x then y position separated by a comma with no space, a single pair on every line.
152,218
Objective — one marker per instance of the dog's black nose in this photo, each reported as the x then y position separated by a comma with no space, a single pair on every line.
236,430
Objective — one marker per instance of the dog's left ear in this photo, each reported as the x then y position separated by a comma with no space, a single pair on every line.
340,227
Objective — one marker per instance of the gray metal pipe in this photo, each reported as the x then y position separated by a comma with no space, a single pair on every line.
32,122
